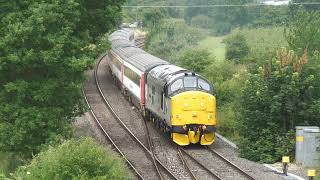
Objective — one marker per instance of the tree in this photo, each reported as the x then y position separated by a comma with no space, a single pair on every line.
75,159
302,31
236,47
282,95
195,59
44,50
152,17
170,38
227,17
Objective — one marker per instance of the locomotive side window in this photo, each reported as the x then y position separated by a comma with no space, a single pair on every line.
178,84
202,84
132,75
190,82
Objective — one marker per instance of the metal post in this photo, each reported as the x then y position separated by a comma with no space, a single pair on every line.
285,163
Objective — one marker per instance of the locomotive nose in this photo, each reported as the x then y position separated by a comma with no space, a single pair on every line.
195,110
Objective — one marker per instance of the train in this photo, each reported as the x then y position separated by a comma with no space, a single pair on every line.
179,102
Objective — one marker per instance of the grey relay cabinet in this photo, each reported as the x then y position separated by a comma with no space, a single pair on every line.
307,145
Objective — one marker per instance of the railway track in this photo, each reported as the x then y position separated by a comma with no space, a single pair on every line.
142,161
235,167
192,163
215,164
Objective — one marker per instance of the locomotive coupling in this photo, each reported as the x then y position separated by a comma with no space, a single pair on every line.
193,134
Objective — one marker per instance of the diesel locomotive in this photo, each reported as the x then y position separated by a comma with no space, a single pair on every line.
180,102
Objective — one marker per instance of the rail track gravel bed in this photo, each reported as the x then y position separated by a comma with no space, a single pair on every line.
221,168
132,151
256,170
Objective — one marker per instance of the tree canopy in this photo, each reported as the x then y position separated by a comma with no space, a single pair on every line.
196,60
45,46
302,31
236,47
75,159
282,95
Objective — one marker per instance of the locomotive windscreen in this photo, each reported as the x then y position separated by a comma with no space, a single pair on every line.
186,83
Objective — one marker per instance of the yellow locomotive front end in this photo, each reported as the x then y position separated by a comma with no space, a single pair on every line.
193,118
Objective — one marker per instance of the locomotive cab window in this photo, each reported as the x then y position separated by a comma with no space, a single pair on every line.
202,84
178,84
190,82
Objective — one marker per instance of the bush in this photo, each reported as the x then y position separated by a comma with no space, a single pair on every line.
75,159
282,95
200,21
268,147
170,38
195,59
236,47
227,78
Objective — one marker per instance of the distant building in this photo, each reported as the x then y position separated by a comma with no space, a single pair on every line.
275,2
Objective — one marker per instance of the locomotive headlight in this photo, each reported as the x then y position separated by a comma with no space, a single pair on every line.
209,116
184,127
204,127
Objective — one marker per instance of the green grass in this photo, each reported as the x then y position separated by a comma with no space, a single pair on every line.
214,46
259,39
263,40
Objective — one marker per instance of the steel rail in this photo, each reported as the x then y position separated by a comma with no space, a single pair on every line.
151,149
106,102
108,136
230,163
215,174
185,164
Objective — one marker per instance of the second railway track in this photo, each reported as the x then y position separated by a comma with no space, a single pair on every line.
215,164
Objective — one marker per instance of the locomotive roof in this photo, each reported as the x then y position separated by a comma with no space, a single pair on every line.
167,73
126,49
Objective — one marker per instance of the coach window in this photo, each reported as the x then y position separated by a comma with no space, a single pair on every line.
132,76
117,63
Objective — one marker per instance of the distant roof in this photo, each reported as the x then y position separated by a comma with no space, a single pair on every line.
275,2
122,43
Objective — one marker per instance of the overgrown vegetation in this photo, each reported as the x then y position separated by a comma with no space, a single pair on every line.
283,94
236,48
172,37
75,159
